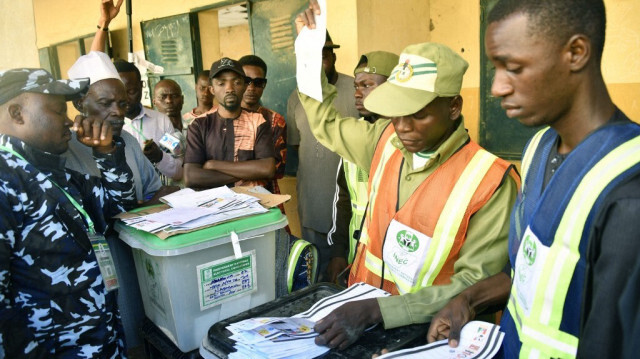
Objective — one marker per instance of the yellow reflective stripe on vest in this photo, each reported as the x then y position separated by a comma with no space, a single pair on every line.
359,197
451,216
560,346
388,150
294,254
358,208
531,150
374,265
541,328
515,310
535,338
375,182
357,188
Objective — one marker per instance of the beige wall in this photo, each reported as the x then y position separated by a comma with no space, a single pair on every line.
68,53
459,28
17,35
621,58
209,37
235,42
391,25
342,26
48,16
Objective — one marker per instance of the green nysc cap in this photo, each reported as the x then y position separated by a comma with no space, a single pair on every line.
424,71
378,62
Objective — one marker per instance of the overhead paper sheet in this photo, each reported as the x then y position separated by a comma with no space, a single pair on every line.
308,48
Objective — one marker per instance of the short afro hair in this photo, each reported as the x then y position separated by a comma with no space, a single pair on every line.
204,75
253,60
559,19
125,66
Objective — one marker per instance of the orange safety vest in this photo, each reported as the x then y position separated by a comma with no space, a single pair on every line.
423,210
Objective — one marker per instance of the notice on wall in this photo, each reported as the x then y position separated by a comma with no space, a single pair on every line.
227,278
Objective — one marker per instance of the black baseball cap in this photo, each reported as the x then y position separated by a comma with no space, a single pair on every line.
15,82
226,64
328,43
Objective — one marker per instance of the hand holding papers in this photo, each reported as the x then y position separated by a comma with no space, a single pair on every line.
478,339
292,337
308,48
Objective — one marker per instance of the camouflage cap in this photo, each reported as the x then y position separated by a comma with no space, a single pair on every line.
15,82
425,71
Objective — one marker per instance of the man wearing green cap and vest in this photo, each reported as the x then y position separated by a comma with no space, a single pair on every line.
351,196
574,229
438,214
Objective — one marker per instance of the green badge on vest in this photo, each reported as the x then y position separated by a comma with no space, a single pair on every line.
529,250
408,241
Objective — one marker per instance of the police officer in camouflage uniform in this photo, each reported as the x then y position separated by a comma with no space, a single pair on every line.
55,267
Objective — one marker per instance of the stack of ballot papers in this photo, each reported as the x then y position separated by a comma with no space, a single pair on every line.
478,340
292,337
191,210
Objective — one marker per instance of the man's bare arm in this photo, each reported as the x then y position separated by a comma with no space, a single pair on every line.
197,177
261,169
108,11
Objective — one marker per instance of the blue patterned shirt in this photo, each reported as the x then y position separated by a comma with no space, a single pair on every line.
53,302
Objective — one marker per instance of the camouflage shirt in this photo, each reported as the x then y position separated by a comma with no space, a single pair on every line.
53,302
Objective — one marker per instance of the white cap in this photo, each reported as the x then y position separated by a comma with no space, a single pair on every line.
95,65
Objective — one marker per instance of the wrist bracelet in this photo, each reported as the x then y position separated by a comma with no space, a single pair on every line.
105,29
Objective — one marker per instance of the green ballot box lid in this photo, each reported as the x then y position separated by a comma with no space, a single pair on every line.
247,227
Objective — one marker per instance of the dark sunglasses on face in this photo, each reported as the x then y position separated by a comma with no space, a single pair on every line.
257,82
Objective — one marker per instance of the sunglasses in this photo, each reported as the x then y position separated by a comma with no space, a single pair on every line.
257,82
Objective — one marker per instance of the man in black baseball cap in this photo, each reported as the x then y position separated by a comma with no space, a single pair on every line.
230,146
225,64
56,272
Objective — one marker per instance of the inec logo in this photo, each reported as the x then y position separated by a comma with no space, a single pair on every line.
529,250
408,241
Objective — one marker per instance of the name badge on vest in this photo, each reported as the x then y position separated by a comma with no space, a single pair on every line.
405,250
105,261
529,264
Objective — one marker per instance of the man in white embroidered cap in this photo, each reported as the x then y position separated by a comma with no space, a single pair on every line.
106,99
438,213
56,274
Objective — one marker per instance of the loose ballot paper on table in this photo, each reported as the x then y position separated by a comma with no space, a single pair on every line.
292,337
478,340
187,210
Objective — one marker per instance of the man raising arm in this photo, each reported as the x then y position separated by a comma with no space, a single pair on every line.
426,251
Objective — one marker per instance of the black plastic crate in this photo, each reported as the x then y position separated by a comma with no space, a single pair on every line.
371,342
158,346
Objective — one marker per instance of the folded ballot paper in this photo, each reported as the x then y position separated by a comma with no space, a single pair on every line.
292,337
478,340
189,210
